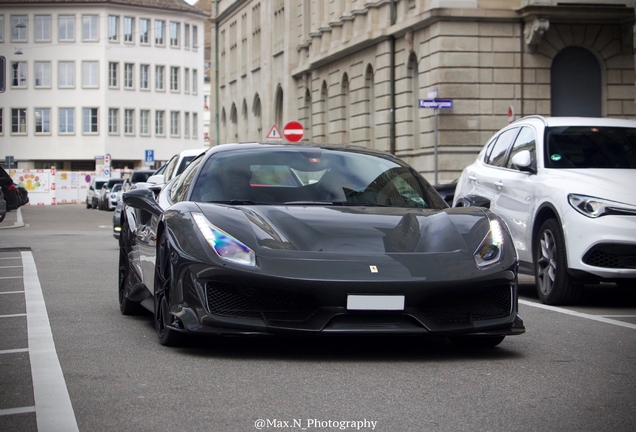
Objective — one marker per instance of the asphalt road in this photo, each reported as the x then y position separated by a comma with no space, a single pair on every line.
574,369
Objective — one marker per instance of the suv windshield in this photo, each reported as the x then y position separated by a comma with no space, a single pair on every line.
312,176
590,147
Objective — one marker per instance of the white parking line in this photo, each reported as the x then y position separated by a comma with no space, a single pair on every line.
53,408
599,318
12,315
3,267
13,411
11,277
12,292
14,351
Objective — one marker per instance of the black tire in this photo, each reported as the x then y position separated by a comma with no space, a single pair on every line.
126,306
87,204
476,341
554,285
164,320
2,217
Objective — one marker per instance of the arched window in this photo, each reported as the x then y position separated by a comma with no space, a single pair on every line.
223,134
414,94
369,97
278,108
234,124
344,110
244,132
323,112
575,84
258,119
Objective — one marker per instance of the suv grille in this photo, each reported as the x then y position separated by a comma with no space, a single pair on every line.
481,304
612,256
230,300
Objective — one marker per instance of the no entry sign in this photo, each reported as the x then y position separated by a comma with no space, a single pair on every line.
293,131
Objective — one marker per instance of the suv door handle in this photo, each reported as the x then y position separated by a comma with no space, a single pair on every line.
472,178
499,184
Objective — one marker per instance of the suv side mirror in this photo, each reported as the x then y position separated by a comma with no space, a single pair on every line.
523,161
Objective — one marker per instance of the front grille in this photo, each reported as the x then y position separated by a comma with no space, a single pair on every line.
480,304
612,256
231,300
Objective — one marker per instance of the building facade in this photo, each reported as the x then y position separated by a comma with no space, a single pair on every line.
97,81
353,71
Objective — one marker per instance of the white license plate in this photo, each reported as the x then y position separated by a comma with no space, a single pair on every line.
375,302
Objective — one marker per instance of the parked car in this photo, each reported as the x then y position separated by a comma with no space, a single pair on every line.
14,195
175,166
114,196
565,188
266,239
136,177
447,191
104,193
94,188
3,206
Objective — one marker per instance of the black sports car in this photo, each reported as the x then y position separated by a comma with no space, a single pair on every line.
284,239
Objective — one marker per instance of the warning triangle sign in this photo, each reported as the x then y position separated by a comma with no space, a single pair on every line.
274,134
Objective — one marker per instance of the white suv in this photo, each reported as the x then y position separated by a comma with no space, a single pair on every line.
566,188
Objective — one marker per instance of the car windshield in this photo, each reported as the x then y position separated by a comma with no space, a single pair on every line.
312,176
184,164
590,147
140,176
99,184
117,187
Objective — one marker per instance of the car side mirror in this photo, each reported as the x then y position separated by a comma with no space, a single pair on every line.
143,199
523,161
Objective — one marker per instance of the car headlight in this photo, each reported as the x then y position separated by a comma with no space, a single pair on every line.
490,251
593,207
225,246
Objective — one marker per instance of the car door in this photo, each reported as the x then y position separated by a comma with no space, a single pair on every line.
515,194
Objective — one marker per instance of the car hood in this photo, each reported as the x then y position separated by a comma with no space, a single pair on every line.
612,184
351,230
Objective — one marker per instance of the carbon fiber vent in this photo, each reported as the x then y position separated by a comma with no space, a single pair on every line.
483,304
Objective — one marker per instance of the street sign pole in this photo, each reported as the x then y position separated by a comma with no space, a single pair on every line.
435,143
436,105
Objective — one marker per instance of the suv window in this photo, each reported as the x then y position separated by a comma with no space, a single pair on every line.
496,156
181,186
525,141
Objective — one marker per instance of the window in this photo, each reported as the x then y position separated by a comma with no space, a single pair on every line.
113,28
89,120
113,74
186,80
1,111
174,78
43,74
67,120
129,75
66,28
42,120
66,74
129,29
159,30
144,77
129,121
174,123
233,51
195,125
159,78
43,28
18,121
256,36
159,122
113,121
186,125
1,33
19,74
89,28
195,37
90,74
279,25
186,36
144,31
174,34
497,150
525,141
195,81
144,122
18,28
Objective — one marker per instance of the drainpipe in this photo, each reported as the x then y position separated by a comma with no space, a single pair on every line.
392,81
521,51
216,68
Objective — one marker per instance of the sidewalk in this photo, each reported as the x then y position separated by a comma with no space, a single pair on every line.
13,219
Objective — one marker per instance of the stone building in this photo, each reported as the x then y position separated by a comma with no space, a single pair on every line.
352,71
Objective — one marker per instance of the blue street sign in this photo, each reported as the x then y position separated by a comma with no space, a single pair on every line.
436,103
150,156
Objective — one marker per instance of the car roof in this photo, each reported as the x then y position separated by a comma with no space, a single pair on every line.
579,121
296,146
193,152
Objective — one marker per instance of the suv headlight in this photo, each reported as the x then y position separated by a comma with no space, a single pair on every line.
490,251
225,246
593,207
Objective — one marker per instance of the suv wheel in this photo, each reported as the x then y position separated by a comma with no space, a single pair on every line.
554,285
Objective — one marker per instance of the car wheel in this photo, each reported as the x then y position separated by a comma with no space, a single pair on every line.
2,216
554,285
164,320
87,204
126,306
476,341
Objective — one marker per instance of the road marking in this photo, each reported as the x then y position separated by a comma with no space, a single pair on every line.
12,316
11,258
11,277
12,292
53,408
14,351
580,314
3,267
12,411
